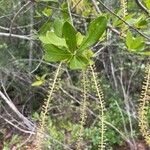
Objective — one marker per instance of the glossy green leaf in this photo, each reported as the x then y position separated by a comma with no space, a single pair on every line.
55,54
78,62
58,24
69,34
52,38
95,31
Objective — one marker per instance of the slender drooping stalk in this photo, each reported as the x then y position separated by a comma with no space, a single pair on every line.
144,106
83,107
45,107
101,107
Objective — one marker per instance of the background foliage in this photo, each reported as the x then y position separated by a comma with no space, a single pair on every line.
120,57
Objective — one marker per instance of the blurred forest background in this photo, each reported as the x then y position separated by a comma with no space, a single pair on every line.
25,75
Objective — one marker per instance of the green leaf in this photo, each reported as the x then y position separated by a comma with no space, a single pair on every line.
43,76
148,4
146,53
47,12
78,62
69,34
134,43
64,11
95,31
129,39
45,27
138,43
58,25
37,83
55,54
52,38
88,54
142,24
37,77
79,38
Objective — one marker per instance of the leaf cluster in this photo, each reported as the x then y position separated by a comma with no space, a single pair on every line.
67,45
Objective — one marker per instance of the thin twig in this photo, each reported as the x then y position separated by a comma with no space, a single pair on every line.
19,11
25,37
130,26
142,7
13,107
20,129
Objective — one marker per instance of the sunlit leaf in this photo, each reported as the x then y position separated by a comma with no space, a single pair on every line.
138,43
134,43
146,53
148,4
37,83
129,39
43,76
47,12
52,38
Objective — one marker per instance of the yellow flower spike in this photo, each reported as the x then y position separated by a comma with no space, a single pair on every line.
83,108
45,107
102,109
143,106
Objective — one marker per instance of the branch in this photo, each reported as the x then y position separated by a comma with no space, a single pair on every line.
142,7
20,129
25,37
113,29
113,13
19,11
13,107
96,6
